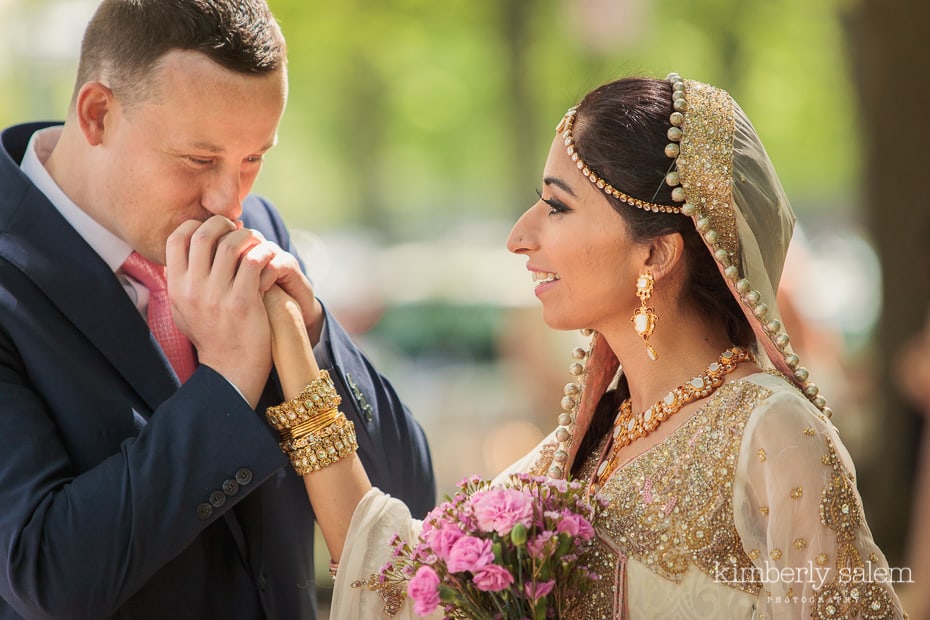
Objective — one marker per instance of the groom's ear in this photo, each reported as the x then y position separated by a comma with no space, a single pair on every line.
94,107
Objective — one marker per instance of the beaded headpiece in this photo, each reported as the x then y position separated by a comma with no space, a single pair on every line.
722,179
565,129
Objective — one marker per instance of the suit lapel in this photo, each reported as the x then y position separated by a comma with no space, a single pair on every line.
57,259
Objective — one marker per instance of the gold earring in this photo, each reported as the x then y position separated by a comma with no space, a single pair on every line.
645,317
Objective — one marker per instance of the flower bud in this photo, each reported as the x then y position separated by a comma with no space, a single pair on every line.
518,535
447,595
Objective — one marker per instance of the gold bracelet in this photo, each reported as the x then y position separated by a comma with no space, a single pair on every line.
341,431
318,397
307,461
293,443
334,443
289,445
311,426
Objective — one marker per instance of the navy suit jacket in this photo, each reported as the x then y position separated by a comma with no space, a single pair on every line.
123,495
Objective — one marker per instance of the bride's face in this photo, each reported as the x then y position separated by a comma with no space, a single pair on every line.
583,262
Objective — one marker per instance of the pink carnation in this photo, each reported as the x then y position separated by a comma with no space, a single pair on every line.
465,559
469,553
536,591
423,589
435,517
441,540
575,525
493,578
499,510
540,547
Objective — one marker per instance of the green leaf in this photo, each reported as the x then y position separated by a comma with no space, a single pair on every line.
539,611
447,594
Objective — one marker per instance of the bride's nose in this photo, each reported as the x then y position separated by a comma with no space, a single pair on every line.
521,239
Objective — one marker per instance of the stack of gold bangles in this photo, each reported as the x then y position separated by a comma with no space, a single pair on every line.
314,433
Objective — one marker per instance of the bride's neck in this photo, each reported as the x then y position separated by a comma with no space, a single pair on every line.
686,345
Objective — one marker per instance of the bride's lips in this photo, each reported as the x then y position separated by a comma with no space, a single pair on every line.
544,280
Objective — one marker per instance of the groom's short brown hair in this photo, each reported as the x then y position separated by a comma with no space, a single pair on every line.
125,40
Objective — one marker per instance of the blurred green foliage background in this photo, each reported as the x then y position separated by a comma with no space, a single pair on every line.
407,115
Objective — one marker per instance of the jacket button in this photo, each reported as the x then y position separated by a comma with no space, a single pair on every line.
217,499
230,487
204,511
244,476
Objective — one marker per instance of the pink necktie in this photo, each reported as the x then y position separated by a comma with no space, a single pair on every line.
176,346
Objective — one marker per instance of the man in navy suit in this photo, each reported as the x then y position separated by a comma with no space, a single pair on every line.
126,491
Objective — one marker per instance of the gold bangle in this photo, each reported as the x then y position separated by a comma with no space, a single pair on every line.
333,424
307,439
307,461
318,397
311,426
323,451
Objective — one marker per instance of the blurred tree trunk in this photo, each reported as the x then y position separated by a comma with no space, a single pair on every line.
887,41
364,144
514,22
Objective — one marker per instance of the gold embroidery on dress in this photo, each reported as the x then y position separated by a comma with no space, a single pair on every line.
393,593
671,508
847,596
544,460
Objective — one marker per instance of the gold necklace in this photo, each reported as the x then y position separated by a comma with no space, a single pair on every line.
630,426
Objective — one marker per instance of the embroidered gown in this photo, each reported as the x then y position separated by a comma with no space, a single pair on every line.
748,510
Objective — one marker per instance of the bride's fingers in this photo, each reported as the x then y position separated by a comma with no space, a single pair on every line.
288,333
275,296
277,301
290,344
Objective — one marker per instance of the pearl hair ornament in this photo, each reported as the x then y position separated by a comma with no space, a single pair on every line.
565,129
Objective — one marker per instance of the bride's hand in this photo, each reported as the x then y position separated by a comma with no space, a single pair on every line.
282,309
290,344
335,490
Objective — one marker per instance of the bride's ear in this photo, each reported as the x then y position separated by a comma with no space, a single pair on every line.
665,255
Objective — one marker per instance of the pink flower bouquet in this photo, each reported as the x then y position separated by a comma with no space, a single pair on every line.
513,551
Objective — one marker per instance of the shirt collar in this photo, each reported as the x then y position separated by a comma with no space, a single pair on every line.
113,250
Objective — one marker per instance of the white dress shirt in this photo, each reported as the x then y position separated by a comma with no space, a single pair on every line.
113,250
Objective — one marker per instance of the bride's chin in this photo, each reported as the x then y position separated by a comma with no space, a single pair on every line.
559,321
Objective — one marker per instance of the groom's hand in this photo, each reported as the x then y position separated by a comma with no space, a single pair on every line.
284,271
214,271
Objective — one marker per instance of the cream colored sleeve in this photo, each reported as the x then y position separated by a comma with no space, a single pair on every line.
356,592
800,518
536,462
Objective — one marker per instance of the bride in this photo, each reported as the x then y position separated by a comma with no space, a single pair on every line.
661,229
